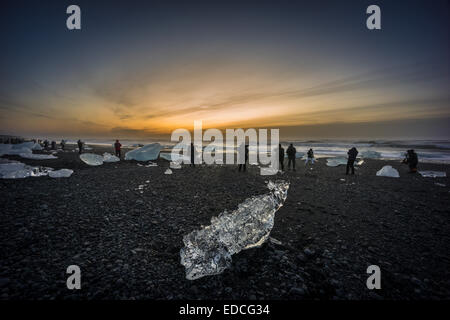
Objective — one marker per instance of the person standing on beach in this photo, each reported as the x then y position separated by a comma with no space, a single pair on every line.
244,165
192,155
291,151
412,160
352,153
80,146
310,157
46,144
281,157
63,144
117,146
53,145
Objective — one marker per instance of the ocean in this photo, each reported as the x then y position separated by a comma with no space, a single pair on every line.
434,151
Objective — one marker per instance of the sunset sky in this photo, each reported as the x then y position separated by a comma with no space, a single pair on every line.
140,69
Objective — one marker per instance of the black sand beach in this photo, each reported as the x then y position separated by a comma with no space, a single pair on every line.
127,243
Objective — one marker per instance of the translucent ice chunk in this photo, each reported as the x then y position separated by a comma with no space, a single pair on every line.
175,165
18,170
147,152
208,251
166,156
268,171
108,157
91,159
334,162
433,174
174,157
168,171
14,149
388,171
151,164
62,173
37,156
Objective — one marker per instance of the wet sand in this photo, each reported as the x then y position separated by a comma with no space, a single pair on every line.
127,243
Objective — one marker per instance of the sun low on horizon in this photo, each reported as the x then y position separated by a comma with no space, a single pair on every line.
163,66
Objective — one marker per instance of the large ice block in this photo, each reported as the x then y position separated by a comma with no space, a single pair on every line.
19,170
147,152
91,159
208,251
334,162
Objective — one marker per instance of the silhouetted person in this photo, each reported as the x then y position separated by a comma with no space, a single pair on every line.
192,155
63,144
352,153
281,156
80,146
117,146
244,165
310,157
291,151
46,144
53,145
411,160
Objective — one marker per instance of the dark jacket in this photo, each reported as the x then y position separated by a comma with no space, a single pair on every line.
352,153
281,154
192,153
412,159
291,151
310,154
117,146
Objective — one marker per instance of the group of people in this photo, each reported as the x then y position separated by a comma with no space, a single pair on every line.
411,158
291,154
51,145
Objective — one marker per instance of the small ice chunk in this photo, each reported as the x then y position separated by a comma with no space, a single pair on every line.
267,171
37,156
440,184
334,162
168,171
151,164
91,159
433,174
388,171
175,165
108,157
275,241
62,173
147,152
36,146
